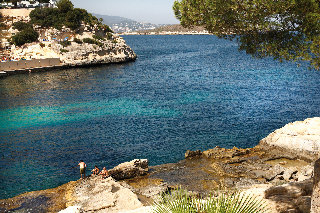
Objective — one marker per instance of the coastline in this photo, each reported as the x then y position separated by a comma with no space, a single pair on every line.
4,74
280,175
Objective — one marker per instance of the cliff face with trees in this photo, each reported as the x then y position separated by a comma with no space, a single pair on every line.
285,30
71,34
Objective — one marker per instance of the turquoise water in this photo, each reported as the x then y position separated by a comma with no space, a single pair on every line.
183,92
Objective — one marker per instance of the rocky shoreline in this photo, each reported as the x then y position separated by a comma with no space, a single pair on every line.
281,175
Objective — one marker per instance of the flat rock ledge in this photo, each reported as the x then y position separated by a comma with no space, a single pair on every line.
301,139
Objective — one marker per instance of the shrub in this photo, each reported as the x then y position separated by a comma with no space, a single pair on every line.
88,40
77,40
25,36
22,25
64,6
109,36
73,19
47,17
42,45
181,202
92,41
64,50
65,15
97,37
65,43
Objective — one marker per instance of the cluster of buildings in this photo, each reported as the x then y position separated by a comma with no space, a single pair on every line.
132,26
27,4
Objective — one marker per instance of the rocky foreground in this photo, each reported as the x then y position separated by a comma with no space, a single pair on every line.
281,174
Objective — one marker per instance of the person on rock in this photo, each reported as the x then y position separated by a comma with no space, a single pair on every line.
95,171
104,173
83,167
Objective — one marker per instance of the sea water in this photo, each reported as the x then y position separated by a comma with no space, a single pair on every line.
183,92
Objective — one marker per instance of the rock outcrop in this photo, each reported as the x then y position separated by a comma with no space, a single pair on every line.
127,170
301,139
105,51
291,197
103,195
315,202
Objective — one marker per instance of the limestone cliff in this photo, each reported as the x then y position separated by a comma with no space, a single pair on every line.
300,138
72,53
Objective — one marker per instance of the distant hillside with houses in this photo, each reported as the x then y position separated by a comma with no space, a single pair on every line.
124,25
8,4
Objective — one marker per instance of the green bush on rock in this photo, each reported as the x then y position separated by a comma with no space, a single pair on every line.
92,41
65,43
21,25
25,36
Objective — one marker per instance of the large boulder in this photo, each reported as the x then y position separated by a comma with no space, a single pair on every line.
127,170
102,195
300,139
291,197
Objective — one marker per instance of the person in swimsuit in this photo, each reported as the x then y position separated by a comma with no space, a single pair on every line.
82,168
104,173
95,171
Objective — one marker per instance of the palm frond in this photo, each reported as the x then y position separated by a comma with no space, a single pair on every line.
180,201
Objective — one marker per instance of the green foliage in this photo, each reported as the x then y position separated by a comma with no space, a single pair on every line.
65,15
181,202
285,30
64,6
92,41
25,36
64,50
109,36
77,40
65,43
73,19
97,37
21,25
47,17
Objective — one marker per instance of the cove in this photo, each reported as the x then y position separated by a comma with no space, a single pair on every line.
182,92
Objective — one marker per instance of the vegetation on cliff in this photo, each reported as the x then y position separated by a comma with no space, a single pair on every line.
26,33
286,30
64,15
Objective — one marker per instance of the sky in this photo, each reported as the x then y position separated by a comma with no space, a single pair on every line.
148,11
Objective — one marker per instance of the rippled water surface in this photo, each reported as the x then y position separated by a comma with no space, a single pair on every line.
183,92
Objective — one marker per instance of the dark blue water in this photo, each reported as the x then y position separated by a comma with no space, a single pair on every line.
183,92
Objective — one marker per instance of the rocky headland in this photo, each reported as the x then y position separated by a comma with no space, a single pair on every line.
281,174
91,43
75,52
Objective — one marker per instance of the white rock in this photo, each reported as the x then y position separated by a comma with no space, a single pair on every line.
297,136
71,209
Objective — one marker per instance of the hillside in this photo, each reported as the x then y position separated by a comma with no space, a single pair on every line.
120,24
